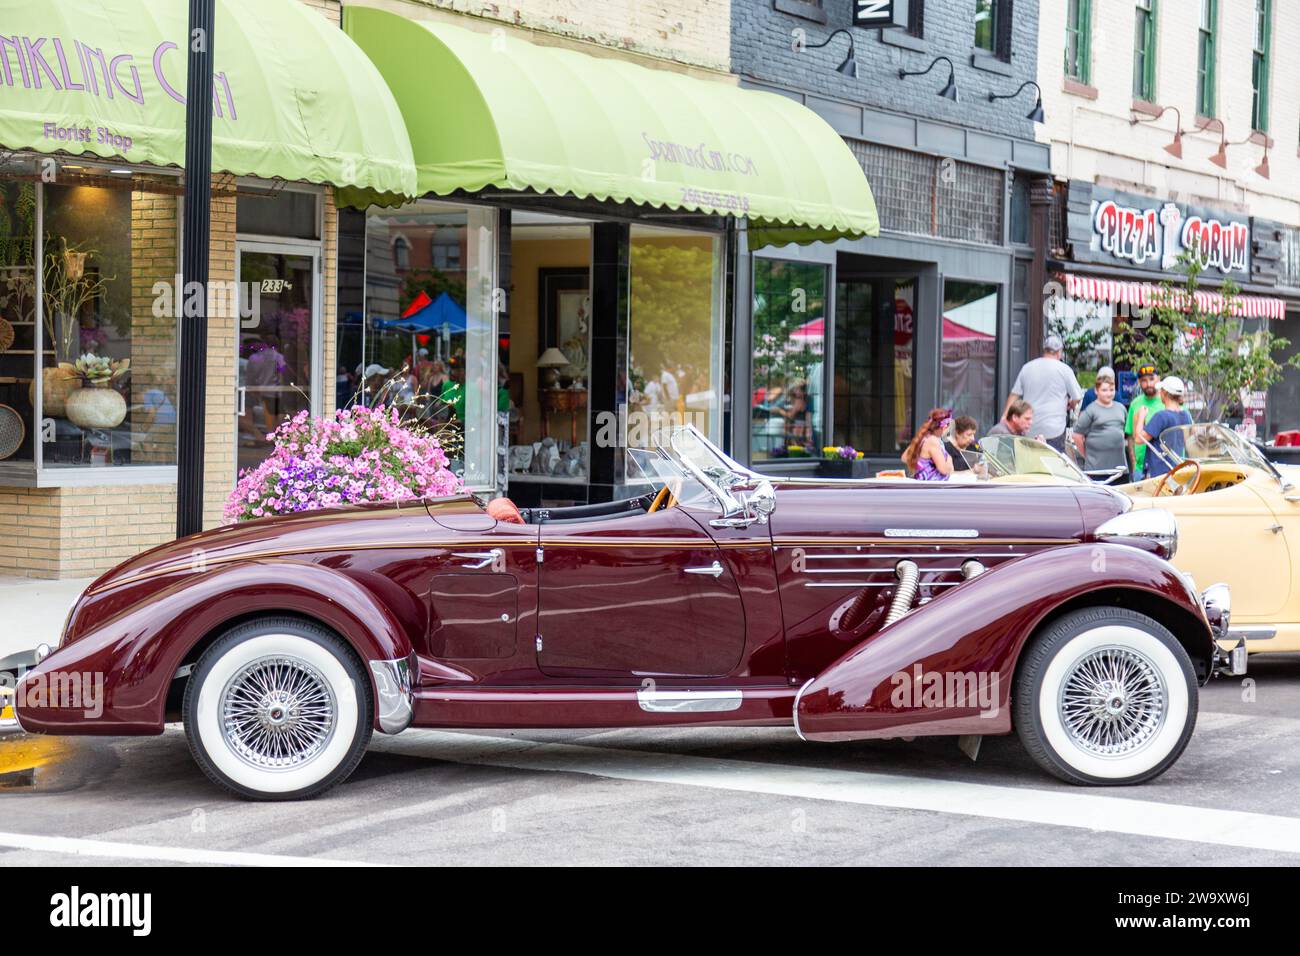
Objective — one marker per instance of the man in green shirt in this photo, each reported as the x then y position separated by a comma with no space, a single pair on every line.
1145,404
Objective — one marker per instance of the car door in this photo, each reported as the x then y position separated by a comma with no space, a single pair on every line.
635,596
1231,535
478,581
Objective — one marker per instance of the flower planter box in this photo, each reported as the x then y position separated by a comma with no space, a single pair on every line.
844,468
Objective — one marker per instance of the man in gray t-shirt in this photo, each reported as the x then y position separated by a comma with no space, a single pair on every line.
1049,385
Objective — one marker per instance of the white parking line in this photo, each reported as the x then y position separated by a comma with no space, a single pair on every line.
1079,809
166,854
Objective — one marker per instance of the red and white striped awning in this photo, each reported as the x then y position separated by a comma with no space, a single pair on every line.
1147,294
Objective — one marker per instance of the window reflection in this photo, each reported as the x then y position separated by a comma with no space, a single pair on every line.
788,364
430,330
674,343
970,351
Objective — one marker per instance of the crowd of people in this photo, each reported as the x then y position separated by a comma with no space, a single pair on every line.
1108,437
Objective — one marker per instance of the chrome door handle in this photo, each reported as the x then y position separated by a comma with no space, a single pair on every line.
483,558
714,569
243,397
1276,528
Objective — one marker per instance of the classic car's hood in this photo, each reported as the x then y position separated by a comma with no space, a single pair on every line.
1050,513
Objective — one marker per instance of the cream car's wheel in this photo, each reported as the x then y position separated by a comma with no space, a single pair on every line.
1105,696
278,709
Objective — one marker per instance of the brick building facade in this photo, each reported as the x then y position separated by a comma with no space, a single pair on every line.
80,527
1193,107
936,311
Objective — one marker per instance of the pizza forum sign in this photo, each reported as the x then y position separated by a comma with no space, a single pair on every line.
1155,238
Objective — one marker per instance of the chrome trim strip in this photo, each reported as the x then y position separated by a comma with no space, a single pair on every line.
889,570
795,713
833,542
8,698
1252,632
931,533
688,701
394,694
915,556
869,584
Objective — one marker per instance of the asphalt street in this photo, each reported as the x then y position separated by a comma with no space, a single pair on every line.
676,797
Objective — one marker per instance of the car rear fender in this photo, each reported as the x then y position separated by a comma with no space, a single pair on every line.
948,666
127,662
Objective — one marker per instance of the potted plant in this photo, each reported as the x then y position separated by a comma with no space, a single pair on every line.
843,461
95,403
67,290
355,456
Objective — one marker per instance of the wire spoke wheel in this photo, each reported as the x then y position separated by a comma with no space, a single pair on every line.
1113,701
277,713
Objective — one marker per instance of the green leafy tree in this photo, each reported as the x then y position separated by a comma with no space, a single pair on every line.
1082,338
1211,350
672,305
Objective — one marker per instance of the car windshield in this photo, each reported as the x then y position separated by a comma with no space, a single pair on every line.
682,455
1210,442
1001,456
653,468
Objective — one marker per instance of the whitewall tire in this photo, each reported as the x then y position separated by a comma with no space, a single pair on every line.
278,709
1105,696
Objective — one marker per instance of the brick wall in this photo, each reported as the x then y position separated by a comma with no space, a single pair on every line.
1092,139
222,372
153,338
690,32
329,303
763,33
81,532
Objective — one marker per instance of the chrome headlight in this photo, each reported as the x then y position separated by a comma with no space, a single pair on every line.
1217,602
1154,523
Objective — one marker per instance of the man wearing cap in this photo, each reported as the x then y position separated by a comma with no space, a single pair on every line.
1049,385
1171,416
1145,404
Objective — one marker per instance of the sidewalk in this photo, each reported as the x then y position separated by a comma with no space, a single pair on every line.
32,611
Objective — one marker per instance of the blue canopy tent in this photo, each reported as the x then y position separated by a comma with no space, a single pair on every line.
444,316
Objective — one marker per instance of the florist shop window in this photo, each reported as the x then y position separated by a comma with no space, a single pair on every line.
97,346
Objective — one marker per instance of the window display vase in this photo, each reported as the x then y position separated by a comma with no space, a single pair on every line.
56,385
96,406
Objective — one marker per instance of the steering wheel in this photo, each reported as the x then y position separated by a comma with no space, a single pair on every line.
1180,487
663,501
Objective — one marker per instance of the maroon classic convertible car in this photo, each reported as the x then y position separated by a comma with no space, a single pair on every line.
850,610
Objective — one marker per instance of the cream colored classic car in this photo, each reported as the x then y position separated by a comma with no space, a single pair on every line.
1238,518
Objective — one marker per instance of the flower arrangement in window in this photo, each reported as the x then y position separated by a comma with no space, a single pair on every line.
355,456
95,404
842,453
68,288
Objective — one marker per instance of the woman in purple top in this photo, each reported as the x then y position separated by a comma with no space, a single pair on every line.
925,457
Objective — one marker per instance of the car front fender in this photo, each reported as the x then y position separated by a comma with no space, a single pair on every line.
115,677
948,666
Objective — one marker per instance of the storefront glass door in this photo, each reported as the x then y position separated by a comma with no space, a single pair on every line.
875,329
278,343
